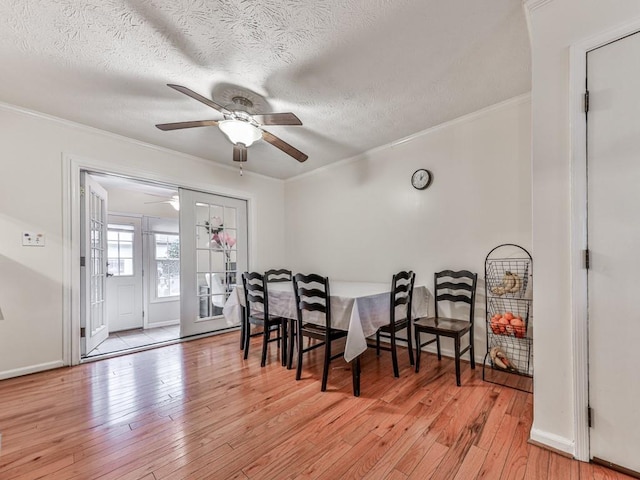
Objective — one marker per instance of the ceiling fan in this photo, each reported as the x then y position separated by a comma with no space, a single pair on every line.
174,201
239,126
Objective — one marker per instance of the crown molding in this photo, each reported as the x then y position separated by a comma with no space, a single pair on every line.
532,5
525,97
132,141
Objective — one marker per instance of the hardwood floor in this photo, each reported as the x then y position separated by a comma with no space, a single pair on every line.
196,410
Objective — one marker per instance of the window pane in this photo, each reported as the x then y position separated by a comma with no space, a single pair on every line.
112,267
173,247
120,249
202,213
126,250
127,267
202,261
174,285
229,217
161,251
113,249
202,237
168,278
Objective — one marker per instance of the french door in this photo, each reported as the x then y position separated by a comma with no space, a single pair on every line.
93,264
213,255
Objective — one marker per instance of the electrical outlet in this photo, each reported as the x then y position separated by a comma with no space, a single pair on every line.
30,239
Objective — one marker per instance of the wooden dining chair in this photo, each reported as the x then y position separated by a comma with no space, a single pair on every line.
399,317
278,275
313,301
456,288
257,313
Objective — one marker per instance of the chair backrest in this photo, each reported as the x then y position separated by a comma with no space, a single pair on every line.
401,294
312,295
255,293
281,275
456,287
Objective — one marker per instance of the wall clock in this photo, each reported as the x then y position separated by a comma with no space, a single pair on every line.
421,179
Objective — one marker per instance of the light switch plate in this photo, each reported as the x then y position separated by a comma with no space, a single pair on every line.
30,239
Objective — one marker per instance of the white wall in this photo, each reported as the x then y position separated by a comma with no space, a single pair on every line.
555,26
31,278
362,219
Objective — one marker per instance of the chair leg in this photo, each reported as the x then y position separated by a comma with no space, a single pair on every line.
265,343
410,345
438,345
283,334
394,355
378,343
242,328
292,336
418,349
355,372
327,360
300,349
247,340
457,353
472,360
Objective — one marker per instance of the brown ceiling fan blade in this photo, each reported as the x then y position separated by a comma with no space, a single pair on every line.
239,153
277,119
199,97
179,125
284,146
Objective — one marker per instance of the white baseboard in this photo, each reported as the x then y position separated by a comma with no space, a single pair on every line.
17,372
168,323
553,441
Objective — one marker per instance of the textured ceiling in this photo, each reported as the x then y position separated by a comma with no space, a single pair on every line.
358,73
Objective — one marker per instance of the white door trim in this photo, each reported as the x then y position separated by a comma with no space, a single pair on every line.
71,166
579,302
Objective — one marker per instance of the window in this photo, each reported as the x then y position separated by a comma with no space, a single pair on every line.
167,259
120,249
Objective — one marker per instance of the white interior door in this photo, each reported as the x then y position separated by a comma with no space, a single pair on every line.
213,253
124,273
93,264
613,142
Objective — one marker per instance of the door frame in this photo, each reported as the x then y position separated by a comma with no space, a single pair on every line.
72,164
579,294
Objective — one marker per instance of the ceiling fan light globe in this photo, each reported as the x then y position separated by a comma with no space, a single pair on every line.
238,131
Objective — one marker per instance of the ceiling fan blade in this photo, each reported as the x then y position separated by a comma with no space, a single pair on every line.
284,146
239,153
199,97
277,119
195,123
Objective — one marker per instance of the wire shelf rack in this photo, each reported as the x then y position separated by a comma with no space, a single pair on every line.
508,294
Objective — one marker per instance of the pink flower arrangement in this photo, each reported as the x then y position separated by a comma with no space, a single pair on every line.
224,239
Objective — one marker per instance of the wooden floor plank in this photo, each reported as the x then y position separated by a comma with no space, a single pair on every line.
199,410
471,464
497,455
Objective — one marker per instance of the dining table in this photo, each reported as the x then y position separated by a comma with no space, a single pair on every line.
359,308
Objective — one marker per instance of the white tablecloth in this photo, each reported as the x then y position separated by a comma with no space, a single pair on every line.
359,308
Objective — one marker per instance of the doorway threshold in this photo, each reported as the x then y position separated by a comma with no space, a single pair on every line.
117,349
